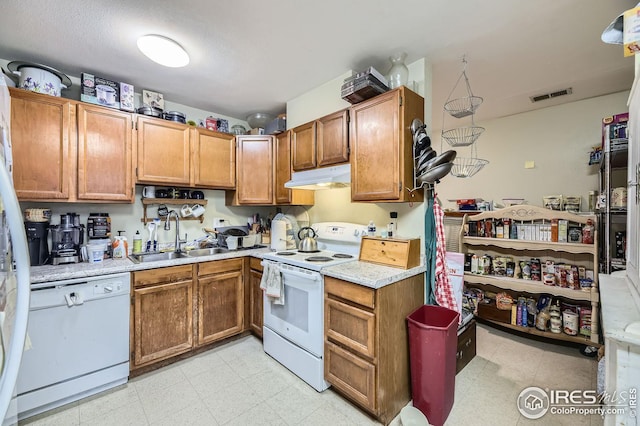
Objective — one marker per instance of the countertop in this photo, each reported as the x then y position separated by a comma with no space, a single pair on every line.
370,274
67,271
620,313
363,273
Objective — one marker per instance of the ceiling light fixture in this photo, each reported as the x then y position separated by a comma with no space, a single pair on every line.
163,50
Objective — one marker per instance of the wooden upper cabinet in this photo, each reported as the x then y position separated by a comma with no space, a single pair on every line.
164,152
254,169
283,167
333,139
105,149
43,146
381,147
214,159
303,146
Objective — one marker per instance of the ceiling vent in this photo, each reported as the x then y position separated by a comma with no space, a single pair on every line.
551,95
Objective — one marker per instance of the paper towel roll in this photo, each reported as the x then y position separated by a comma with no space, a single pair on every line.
278,235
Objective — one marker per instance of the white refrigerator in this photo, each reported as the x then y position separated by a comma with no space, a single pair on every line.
14,272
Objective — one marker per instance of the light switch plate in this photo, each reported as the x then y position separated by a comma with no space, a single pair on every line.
529,164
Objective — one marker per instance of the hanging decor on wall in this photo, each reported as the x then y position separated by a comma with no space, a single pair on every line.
463,136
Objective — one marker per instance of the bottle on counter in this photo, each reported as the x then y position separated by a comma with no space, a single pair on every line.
137,242
393,224
371,229
120,246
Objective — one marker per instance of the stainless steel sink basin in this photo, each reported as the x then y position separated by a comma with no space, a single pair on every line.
206,251
154,257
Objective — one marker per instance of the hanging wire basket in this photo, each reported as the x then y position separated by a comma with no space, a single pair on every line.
463,107
467,167
462,136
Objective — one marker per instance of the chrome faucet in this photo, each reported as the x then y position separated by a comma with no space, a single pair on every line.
167,227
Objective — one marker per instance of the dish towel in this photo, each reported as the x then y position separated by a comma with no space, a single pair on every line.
271,282
445,296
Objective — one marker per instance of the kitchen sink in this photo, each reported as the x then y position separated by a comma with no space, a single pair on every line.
154,257
206,251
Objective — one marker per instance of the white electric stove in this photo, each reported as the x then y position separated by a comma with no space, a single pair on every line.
338,242
293,333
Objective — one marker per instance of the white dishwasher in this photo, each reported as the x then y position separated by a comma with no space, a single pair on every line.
79,333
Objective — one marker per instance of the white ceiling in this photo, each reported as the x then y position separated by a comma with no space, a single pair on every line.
250,55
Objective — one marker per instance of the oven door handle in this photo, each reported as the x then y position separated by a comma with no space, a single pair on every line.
313,276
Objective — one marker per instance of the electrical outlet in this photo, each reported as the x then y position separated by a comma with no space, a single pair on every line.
529,164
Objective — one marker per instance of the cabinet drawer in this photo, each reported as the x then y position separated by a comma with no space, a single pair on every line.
353,292
163,275
255,264
219,266
351,327
352,375
466,346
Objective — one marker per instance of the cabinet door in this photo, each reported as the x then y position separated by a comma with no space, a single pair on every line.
163,321
164,152
333,139
255,169
381,147
214,159
375,141
220,306
43,146
352,375
105,154
256,300
303,147
283,167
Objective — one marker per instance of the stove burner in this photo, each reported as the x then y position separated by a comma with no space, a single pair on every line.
286,253
342,256
318,259
309,251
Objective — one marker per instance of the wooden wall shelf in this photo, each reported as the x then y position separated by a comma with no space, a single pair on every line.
170,201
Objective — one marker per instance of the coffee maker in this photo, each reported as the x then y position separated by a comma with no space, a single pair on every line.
66,239
37,233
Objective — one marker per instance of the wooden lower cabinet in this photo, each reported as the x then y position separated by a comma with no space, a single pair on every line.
255,297
366,342
220,300
176,309
162,314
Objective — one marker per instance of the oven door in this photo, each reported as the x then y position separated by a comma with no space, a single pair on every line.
300,319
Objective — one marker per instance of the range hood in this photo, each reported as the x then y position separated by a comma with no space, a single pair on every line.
323,178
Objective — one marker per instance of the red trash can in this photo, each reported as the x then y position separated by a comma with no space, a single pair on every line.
433,339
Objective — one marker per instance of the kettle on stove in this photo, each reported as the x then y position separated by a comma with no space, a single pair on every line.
308,243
